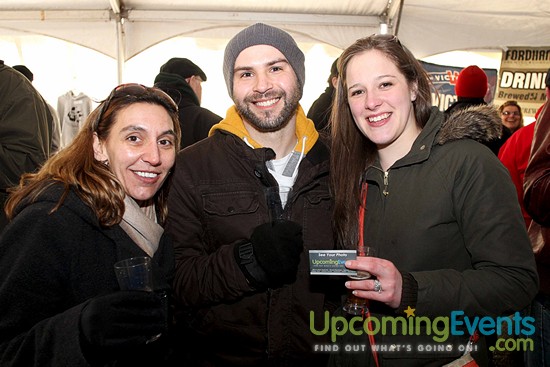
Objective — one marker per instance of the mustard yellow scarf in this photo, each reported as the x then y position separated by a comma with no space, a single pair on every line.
233,123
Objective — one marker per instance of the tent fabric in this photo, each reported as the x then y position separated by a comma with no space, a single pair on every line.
427,27
134,37
93,23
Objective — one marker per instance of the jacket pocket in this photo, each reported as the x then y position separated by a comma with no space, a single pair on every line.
230,216
316,220
226,204
318,198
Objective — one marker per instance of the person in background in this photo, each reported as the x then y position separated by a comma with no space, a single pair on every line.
537,204
321,108
25,71
470,89
56,126
242,279
514,155
439,208
511,115
182,80
100,200
25,131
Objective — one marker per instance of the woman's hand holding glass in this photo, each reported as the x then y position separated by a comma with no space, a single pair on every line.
356,305
384,286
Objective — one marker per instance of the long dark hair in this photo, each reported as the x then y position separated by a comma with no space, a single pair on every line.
351,151
93,181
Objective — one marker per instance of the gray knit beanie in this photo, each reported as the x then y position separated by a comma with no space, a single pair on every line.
263,34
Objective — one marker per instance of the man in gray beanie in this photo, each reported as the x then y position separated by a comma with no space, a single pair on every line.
242,276
263,34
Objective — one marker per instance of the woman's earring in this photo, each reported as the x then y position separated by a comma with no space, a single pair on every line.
106,162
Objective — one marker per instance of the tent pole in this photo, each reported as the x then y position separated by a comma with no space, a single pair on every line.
398,18
116,8
120,48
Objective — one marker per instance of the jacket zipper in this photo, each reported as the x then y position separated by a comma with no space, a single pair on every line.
386,183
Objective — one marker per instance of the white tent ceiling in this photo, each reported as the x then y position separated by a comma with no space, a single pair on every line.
154,30
427,27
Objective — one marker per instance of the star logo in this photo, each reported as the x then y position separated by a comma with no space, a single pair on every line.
410,311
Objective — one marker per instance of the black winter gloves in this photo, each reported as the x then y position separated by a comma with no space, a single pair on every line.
121,320
272,256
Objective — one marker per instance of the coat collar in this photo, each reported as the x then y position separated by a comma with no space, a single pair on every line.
480,123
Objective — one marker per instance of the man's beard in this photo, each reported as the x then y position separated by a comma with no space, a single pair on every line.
267,121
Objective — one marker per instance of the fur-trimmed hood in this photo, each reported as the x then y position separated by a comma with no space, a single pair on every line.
480,123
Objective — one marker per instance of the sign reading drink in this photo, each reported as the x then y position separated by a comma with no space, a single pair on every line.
522,77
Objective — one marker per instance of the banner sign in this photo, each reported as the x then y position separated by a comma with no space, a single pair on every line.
522,77
443,79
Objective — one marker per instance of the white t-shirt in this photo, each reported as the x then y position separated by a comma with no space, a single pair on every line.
285,170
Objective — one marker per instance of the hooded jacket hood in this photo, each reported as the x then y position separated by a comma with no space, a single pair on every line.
176,87
480,123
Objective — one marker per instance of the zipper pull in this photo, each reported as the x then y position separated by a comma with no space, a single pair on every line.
386,192
471,341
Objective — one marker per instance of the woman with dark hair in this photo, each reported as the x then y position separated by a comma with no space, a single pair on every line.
439,209
100,200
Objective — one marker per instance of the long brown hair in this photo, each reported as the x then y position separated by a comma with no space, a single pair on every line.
93,181
351,151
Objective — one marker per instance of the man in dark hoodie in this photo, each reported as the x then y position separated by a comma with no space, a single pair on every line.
56,128
25,131
320,110
181,79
